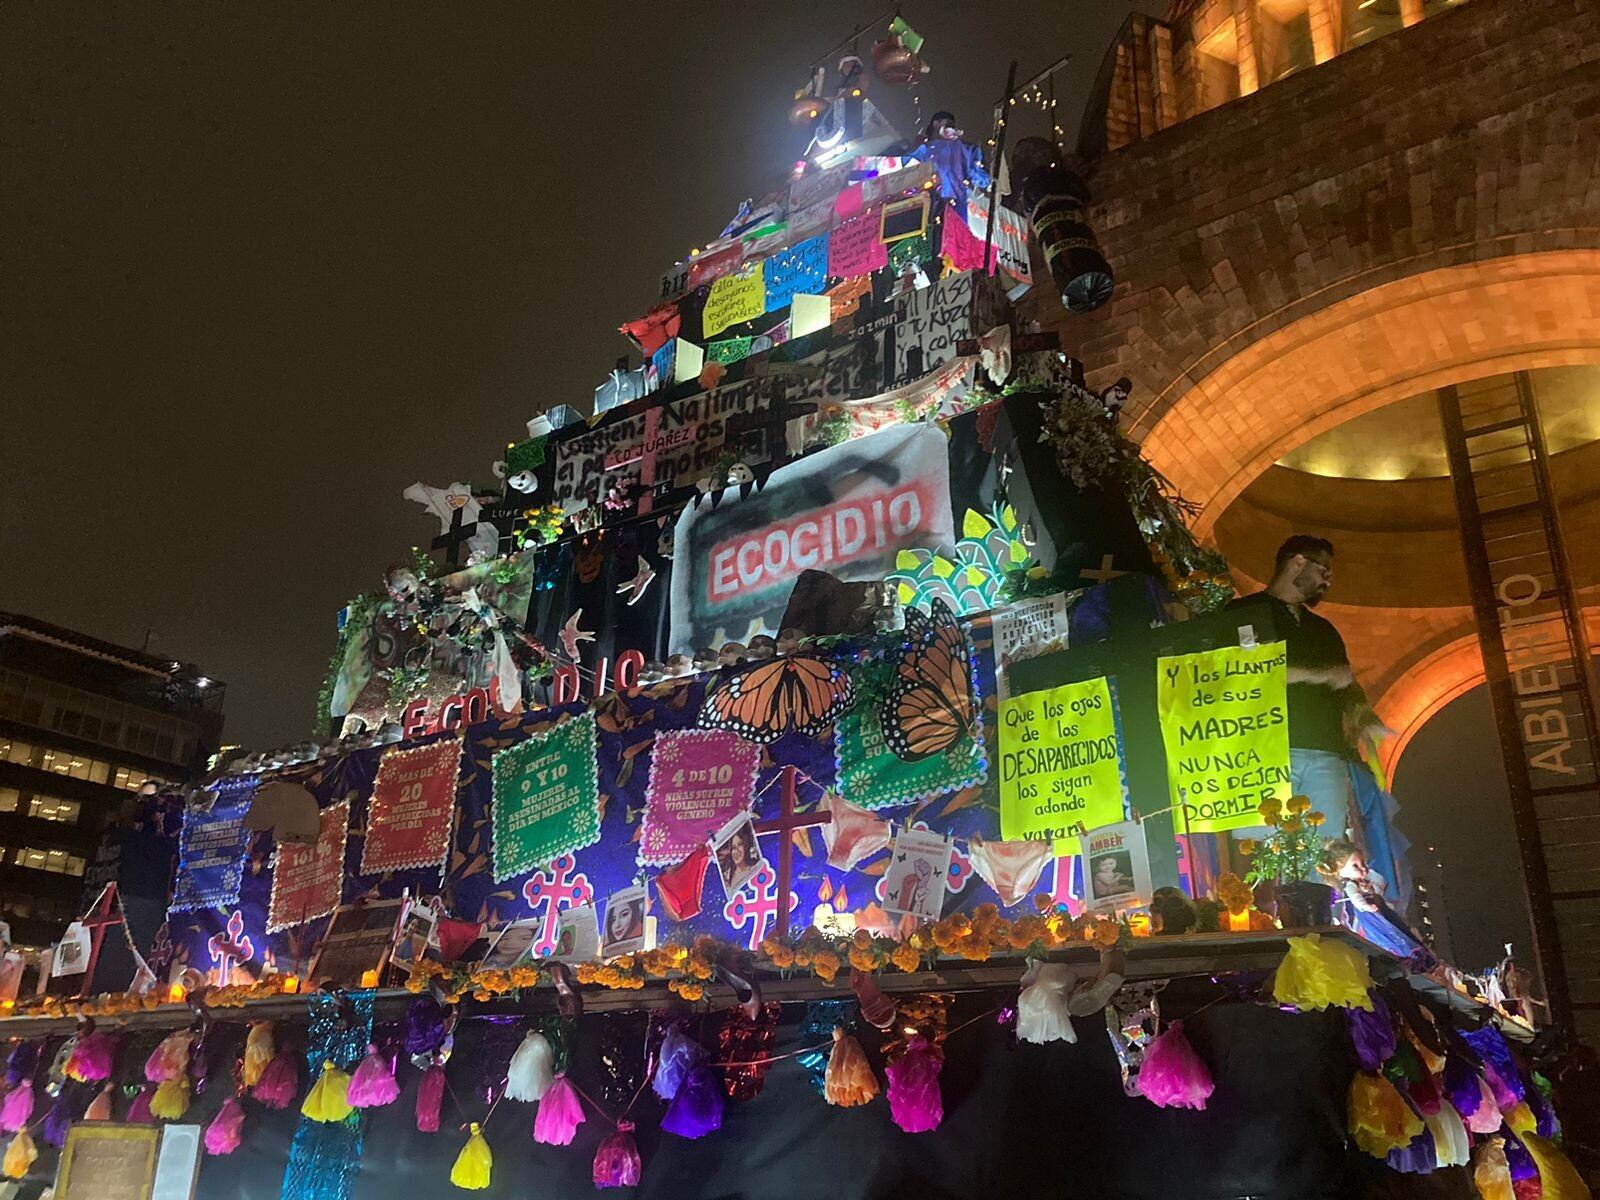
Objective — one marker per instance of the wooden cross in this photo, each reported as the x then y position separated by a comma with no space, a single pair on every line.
1106,571
453,538
101,916
784,825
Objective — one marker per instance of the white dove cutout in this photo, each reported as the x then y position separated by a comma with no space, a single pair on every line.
571,635
635,588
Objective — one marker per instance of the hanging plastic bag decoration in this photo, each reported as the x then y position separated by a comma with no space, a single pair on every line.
1372,1035
92,1058
532,1069
430,1099
170,1060
226,1129
20,1155
821,1019
259,1050
914,1099
679,1055
329,1098
745,1046
1132,1018
279,1081
1377,1116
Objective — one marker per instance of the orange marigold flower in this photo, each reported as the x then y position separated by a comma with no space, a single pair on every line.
1270,809
1315,819
1298,805
782,957
905,957
826,964
862,938
863,959
1105,934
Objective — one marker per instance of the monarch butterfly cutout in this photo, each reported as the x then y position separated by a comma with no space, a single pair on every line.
929,707
765,702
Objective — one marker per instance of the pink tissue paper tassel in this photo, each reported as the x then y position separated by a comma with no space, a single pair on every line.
560,1113
616,1162
1173,1075
914,1100
139,1111
91,1059
16,1110
430,1100
373,1084
278,1083
222,1135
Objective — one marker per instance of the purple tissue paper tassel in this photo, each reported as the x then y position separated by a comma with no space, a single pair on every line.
679,1055
59,1119
424,1026
1371,1033
1461,1084
1492,1048
1416,1157
1521,1162
20,1063
697,1108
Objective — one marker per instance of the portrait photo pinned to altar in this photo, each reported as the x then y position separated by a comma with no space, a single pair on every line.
625,927
577,934
737,852
918,866
514,945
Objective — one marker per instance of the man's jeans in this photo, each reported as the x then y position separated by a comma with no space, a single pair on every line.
1323,778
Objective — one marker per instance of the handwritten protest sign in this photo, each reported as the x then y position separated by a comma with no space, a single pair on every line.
1060,763
413,800
212,847
735,298
1224,722
855,248
306,880
546,799
699,779
801,268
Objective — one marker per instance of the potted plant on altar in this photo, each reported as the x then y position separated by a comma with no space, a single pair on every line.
1287,857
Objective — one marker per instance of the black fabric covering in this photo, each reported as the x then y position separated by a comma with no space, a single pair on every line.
1020,1120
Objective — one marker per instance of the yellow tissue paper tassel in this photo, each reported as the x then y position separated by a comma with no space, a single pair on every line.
1318,974
1558,1178
329,1098
474,1163
258,1052
1377,1116
20,1154
171,1100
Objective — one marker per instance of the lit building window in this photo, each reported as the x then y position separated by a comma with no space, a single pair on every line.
58,862
52,808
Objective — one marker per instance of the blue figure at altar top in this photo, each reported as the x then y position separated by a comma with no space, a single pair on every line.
958,163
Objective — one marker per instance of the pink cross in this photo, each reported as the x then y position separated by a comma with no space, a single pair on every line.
955,878
231,948
756,904
1066,886
562,888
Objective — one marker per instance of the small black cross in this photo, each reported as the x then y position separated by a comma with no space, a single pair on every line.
451,540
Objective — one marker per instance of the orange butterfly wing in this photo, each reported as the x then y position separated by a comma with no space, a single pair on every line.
930,707
765,702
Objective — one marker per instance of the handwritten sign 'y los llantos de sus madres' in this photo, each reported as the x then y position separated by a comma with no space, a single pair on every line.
1060,763
1224,722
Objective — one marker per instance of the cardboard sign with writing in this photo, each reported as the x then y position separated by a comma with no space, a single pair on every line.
212,847
546,797
800,268
1060,763
103,1160
306,880
1225,724
735,298
413,801
699,779
1024,629
855,248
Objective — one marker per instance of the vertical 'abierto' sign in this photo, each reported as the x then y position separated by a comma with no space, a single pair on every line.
1225,725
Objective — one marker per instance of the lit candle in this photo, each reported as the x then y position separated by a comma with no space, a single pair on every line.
1239,920
176,993
1139,924
369,979
291,984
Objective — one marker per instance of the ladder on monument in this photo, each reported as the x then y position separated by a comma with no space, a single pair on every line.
1541,684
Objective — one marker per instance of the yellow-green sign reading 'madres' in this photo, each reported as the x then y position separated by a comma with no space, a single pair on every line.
1060,764
1224,722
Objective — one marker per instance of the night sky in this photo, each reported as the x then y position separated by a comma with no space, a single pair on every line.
267,265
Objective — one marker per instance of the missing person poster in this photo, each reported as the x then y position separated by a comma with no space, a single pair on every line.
1060,763
1225,724
1116,873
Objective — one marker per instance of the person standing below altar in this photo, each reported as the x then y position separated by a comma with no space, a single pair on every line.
1327,708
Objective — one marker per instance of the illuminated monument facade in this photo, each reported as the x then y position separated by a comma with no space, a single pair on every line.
1358,294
